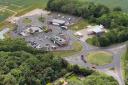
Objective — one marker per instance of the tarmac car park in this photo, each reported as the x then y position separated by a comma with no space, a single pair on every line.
46,35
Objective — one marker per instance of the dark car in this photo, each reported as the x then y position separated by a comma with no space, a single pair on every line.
83,59
94,66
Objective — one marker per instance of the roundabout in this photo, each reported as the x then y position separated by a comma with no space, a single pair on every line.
99,58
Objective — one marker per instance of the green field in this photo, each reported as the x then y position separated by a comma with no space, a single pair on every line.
112,3
18,4
4,14
18,7
23,6
27,21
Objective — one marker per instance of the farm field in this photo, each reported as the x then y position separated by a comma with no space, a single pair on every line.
22,6
4,14
18,7
112,3
77,47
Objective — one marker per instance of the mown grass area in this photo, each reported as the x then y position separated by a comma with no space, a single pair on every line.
99,58
24,10
30,8
27,21
80,25
124,63
77,47
112,3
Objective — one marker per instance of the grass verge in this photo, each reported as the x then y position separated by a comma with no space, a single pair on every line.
27,21
80,25
77,47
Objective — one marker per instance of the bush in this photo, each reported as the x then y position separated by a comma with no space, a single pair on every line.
79,71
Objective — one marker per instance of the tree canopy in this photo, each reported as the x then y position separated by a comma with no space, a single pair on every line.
78,8
23,65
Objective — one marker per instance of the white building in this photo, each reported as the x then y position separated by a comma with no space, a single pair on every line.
97,29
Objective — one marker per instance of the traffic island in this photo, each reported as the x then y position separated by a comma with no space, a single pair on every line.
99,58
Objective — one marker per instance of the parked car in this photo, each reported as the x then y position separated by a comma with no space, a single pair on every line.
64,27
83,59
54,47
56,24
94,66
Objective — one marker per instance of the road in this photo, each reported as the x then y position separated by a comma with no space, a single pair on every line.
117,52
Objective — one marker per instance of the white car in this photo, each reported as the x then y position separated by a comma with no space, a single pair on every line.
38,46
69,19
56,24
59,15
54,47
64,27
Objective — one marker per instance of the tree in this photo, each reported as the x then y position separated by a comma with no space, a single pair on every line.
9,80
100,10
99,80
117,9
22,66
